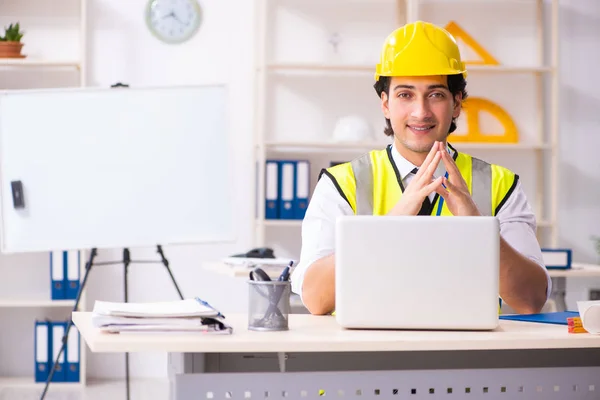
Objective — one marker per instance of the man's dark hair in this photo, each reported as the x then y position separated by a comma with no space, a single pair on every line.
456,84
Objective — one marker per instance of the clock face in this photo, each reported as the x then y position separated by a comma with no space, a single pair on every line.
173,21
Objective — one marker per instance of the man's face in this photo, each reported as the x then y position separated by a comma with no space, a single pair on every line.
420,110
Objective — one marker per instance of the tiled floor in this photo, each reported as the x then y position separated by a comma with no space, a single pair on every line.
112,390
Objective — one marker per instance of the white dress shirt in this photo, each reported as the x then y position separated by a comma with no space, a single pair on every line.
517,222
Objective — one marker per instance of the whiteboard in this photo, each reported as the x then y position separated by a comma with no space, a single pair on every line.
114,168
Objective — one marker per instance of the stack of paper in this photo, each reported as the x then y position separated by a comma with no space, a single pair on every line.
190,315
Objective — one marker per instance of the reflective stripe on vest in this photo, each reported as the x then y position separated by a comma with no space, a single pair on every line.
481,185
363,174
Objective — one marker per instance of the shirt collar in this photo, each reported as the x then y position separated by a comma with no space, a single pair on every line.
405,167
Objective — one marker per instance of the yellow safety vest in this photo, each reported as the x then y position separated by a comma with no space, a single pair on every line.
372,185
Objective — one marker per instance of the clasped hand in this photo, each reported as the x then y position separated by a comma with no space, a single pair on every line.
453,189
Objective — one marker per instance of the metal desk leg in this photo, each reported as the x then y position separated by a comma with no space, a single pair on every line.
559,290
281,358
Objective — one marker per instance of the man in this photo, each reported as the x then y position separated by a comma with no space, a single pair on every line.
421,84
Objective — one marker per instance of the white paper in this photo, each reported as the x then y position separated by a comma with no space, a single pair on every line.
165,309
589,312
99,320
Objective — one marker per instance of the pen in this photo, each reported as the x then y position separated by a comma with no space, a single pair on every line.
205,303
285,275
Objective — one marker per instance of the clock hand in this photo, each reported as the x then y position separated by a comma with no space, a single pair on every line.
171,14
176,17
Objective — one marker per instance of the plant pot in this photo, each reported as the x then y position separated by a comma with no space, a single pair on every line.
11,50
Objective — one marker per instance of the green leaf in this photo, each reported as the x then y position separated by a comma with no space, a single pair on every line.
13,33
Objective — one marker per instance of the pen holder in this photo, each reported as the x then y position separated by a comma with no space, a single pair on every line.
269,305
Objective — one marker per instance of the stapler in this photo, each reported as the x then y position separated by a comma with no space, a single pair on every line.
259,252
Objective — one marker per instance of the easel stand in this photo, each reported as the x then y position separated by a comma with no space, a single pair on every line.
88,267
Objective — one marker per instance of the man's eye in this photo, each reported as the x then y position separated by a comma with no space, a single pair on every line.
438,94
404,95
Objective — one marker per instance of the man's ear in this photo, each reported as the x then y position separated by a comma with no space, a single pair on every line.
385,106
457,105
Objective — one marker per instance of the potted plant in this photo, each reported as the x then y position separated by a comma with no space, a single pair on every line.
10,43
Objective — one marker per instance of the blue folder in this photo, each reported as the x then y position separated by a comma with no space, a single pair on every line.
558,318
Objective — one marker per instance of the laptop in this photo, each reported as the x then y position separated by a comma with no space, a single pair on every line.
417,272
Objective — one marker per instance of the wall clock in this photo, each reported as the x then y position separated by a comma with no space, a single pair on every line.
173,21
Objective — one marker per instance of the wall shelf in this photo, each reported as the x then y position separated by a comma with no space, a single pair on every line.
284,223
343,146
32,303
368,69
505,69
329,146
28,383
291,223
32,62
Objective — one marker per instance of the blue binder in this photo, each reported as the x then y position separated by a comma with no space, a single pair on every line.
302,188
272,190
57,332
72,275
72,356
58,260
558,318
42,351
286,189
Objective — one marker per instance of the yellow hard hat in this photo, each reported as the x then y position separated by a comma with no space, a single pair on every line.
419,49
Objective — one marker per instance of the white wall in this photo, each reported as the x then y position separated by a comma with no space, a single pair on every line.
121,49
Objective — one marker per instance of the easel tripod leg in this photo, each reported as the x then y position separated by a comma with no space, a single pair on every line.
166,264
126,262
88,268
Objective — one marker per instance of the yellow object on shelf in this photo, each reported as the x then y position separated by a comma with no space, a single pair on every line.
472,107
486,58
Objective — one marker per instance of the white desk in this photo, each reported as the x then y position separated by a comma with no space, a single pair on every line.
239,271
518,360
578,270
